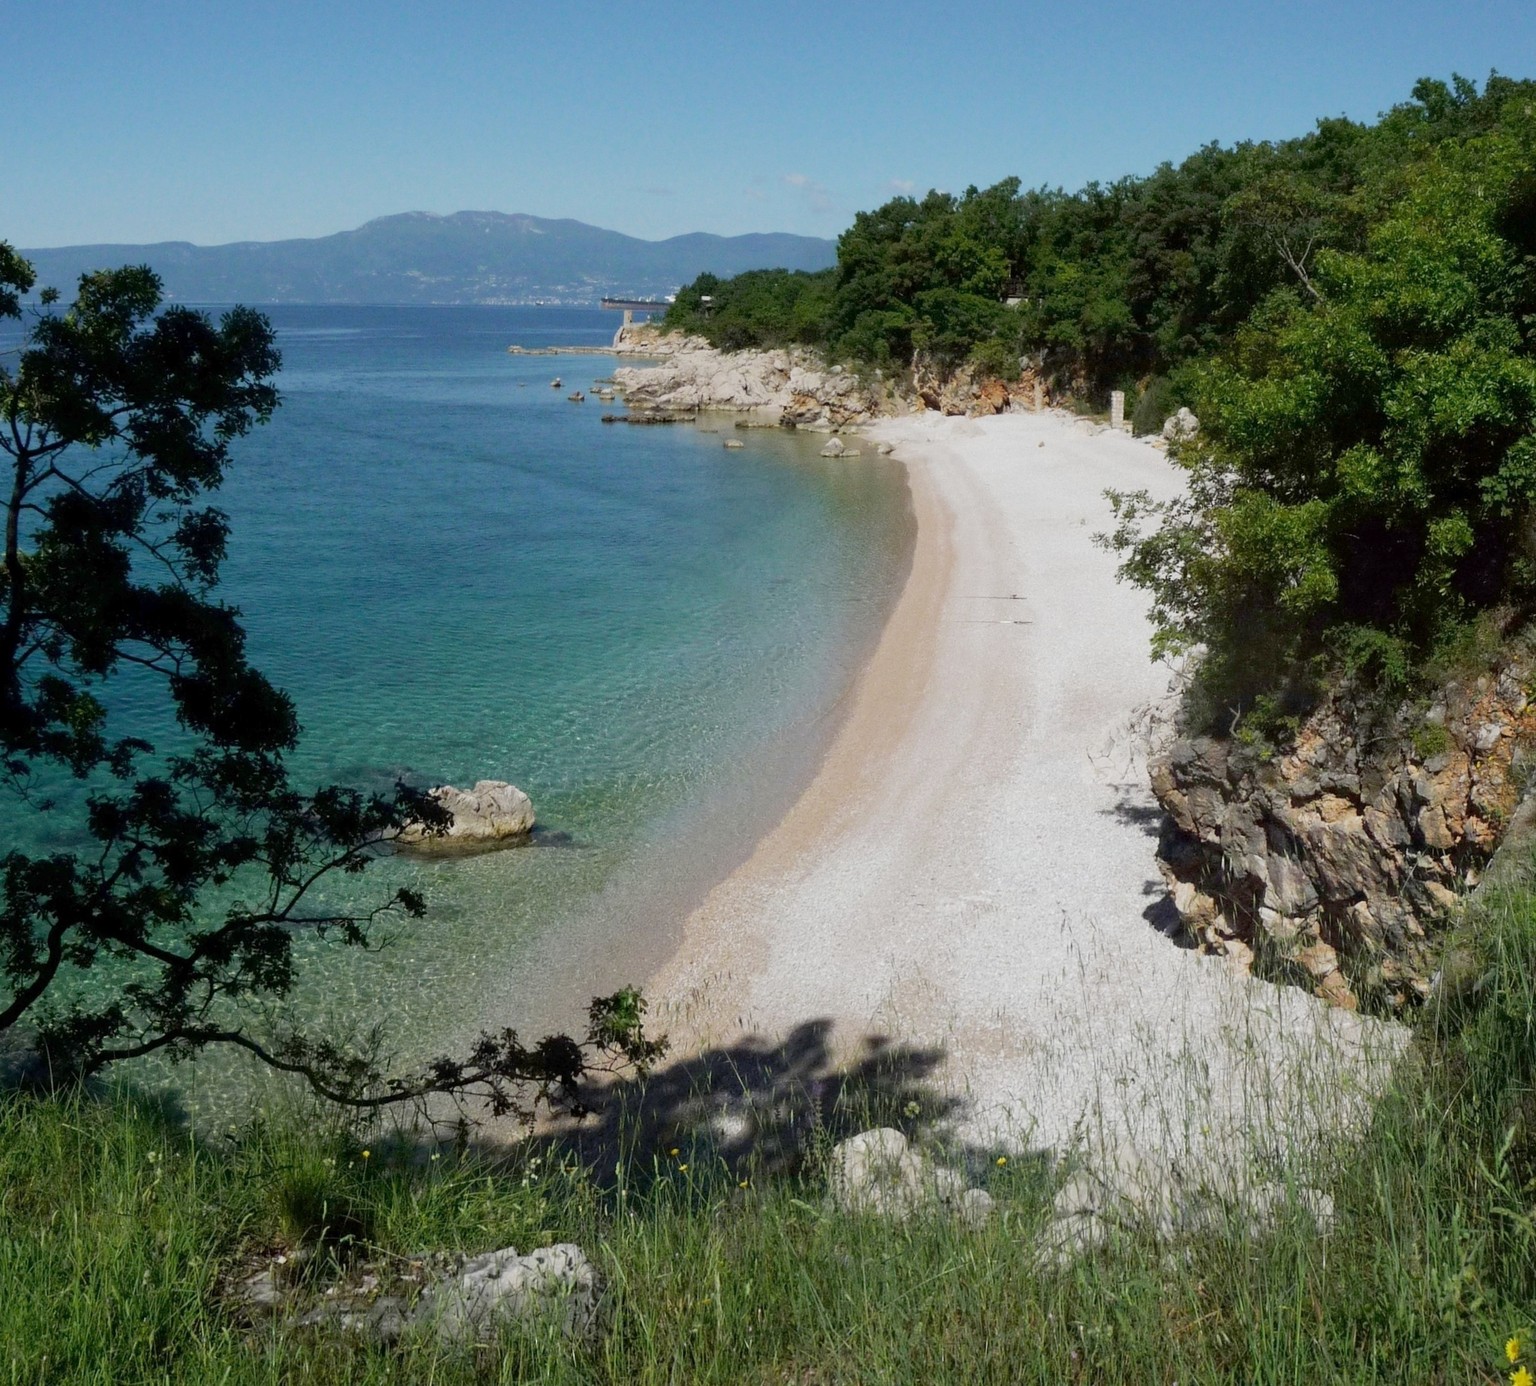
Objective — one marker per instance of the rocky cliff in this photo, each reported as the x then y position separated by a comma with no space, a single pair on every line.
790,387
1343,861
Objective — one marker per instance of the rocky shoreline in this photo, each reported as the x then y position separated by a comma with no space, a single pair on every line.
791,387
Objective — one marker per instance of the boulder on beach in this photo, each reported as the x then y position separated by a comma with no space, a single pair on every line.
1180,426
492,814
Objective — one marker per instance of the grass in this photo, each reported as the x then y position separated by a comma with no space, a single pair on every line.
118,1232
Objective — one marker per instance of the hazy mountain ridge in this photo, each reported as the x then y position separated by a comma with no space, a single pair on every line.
421,257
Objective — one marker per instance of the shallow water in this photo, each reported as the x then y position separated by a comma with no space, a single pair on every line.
458,574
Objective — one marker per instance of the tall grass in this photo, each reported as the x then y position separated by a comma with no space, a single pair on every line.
119,1232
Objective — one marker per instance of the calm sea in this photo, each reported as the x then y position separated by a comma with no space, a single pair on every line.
460,575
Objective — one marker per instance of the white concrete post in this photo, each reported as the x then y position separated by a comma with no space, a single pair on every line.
1117,408
1039,396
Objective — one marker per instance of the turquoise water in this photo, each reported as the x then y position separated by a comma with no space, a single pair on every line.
459,575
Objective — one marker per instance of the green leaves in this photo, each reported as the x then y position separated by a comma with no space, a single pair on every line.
1367,469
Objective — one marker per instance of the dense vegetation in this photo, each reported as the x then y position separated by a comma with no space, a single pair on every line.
1364,487
1116,282
1350,314
118,1233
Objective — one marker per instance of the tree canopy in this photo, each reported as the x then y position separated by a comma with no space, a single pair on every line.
1114,284
1350,314
1365,479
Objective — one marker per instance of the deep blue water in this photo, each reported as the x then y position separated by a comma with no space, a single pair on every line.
458,574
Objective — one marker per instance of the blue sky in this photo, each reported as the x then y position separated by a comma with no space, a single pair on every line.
147,120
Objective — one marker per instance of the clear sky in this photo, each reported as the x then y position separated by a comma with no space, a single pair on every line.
142,120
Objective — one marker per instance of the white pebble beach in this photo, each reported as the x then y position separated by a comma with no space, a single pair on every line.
972,869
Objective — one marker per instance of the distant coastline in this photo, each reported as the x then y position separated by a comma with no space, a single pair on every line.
488,258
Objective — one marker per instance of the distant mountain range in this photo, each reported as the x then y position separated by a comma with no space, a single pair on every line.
419,257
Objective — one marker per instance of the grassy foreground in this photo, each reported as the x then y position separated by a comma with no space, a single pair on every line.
117,1233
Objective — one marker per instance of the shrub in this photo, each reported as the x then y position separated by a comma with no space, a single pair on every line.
1154,406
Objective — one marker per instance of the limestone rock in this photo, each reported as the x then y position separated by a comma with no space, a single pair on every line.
991,397
1343,859
555,1285
492,814
790,387
834,448
1178,427
879,1172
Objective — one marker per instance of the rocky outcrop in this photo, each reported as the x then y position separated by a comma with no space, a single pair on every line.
1342,862
794,387
789,387
458,1300
961,392
492,814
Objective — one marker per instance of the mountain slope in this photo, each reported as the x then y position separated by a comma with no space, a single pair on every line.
419,257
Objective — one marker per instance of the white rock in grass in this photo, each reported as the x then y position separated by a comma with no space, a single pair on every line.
879,1172
1122,1193
553,1286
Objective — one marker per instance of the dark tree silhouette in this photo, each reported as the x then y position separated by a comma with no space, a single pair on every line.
192,870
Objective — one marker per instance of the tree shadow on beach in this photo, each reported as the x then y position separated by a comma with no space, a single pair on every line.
1148,818
758,1107
1160,913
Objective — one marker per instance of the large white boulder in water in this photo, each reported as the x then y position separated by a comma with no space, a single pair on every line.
492,814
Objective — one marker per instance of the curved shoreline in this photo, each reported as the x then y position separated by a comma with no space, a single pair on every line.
971,870
635,922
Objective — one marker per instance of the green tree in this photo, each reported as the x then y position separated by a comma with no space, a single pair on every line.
189,868
1365,482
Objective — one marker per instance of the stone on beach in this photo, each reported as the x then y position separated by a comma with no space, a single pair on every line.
493,813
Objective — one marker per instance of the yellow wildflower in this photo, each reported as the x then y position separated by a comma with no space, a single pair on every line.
367,1153
673,1152
743,1183
682,1168
1512,1349
1001,1161
1521,1376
